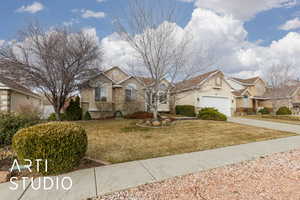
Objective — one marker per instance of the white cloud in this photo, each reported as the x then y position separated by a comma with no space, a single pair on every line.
243,10
227,38
33,8
291,24
100,1
92,33
1,42
71,22
92,14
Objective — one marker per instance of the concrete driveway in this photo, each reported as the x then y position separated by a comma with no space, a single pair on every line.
266,124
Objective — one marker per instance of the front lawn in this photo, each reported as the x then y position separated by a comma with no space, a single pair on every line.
277,118
118,141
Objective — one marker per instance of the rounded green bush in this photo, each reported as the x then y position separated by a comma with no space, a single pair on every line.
62,144
185,110
10,123
264,111
211,114
284,111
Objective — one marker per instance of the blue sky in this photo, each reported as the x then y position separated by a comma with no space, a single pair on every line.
247,36
56,12
263,27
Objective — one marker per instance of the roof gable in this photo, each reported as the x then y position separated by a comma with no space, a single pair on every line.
116,74
249,81
12,85
196,81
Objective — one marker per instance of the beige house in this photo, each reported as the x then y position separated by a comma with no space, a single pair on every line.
253,94
207,90
13,96
114,91
249,94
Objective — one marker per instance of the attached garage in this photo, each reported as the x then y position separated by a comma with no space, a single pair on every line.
223,104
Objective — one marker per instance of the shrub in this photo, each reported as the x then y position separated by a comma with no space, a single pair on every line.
52,117
284,111
73,111
87,116
63,144
264,111
211,114
185,110
139,115
10,123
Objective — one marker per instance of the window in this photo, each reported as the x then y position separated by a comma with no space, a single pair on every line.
163,87
246,101
130,92
218,81
163,98
101,94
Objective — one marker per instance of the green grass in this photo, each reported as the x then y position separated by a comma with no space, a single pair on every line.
117,141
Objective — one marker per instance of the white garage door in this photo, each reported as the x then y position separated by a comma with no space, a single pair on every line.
221,103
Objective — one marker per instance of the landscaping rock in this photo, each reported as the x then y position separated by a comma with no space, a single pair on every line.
156,123
4,176
165,122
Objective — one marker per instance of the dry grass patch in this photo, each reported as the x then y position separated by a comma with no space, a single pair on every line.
295,120
118,141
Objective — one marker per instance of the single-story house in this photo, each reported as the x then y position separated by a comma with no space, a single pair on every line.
253,94
207,90
115,91
13,96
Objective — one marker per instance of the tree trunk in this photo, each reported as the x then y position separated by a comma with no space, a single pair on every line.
57,113
155,108
155,114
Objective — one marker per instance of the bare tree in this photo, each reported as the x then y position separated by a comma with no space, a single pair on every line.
162,49
53,62
278,76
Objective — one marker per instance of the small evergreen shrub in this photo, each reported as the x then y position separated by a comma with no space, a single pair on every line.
87,116
211,114
264,111
63,144
52,117
185,110
284,111
74,111
10,123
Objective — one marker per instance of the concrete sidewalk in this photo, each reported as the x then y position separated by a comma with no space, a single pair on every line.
267,124
98,181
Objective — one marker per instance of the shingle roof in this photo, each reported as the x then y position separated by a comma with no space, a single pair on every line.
145,80
247,81
15,86
187,84
239,92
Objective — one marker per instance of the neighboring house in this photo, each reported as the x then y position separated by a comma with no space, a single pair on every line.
115,91
13,96
288,96
249,93
206,90
253,94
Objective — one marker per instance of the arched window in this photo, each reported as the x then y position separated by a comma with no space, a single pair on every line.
130,92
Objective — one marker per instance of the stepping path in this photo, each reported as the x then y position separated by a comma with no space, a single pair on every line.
102,180
267,124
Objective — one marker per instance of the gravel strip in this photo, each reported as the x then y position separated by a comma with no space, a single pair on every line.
275,177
